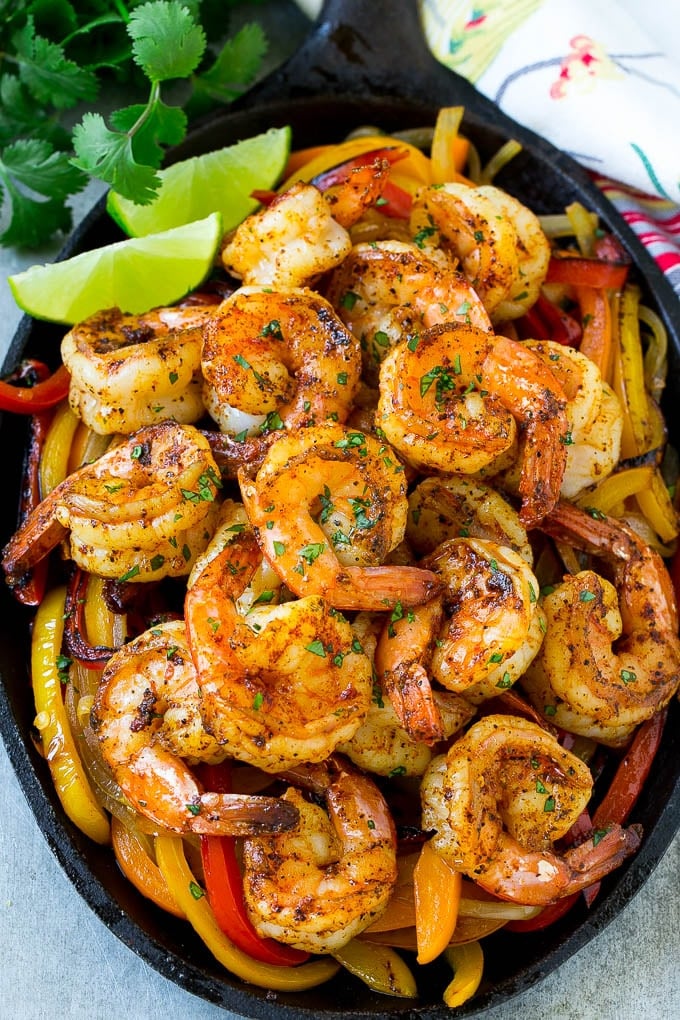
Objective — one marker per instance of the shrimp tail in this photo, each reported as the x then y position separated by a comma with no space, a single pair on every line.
232,814
376,588
592,860
409,690
38,535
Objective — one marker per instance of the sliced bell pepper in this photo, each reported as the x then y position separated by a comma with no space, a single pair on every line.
596,342
140,869
436,889
631,774
76,636
468,967
192,900
224,886
379,967
584,272
30,589
70,780
36,398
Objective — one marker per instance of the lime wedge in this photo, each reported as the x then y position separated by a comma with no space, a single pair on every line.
220,181
134,275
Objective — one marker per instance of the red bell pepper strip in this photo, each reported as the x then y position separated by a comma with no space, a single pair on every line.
562,327
224,886
631,774
30,589
33,399
75,641
584,272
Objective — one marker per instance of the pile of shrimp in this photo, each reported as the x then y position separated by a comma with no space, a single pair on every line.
361,501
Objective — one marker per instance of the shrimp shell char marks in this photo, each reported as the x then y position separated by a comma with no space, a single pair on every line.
274,359
128,371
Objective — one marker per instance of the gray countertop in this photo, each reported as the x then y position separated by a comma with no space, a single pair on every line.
57,959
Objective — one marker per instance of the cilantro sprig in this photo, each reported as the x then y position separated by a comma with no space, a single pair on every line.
56,58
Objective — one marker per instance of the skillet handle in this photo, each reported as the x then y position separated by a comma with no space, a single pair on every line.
370,47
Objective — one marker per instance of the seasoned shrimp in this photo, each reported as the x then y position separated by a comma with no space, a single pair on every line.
288,242
386,289
452,401
504,793
275,359
143,511
281,684
611,655
502,249
328,505
493,624
594,415
332,875
147,718
461,507
128,371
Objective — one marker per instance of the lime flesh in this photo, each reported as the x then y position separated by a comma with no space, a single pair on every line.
134,275
220,181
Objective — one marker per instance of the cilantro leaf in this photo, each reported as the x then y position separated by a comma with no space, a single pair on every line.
46,72
162,125
33,163
166,41
108,155
32,222
235,67
20,116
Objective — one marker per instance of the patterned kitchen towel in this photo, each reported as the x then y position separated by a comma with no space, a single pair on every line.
588,77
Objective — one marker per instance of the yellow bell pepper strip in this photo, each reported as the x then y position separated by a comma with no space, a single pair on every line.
70,781
379,967
468,929
33,396
55,458
467,962
140,869
612,491
191,898
436,890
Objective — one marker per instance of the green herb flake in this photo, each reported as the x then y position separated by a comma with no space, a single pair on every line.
317,648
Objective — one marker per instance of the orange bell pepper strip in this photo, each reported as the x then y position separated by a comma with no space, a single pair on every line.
436,888
140,869
586,272
596,342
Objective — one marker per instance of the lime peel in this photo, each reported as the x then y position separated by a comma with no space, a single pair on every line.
135,275
220,181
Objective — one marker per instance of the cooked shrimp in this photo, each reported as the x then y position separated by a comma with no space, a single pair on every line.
461,507
332,875
493,625
147,718
362,187
288,242
405,644
277,359
328,505
386,289
504,793
502,249
611,655
281,684
594,415
128,371
143,511
452,402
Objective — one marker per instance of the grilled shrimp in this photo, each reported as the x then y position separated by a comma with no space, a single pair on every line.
502,249
452,402
144,510
147,718
594,416
504,793
277,359
328,505
386,289
330,877
128,371
493,624
279,684
288,242
611,654
440,508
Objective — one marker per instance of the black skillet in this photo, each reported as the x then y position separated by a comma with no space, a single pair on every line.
365,61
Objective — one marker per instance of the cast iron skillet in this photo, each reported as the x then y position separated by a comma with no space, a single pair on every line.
364,62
